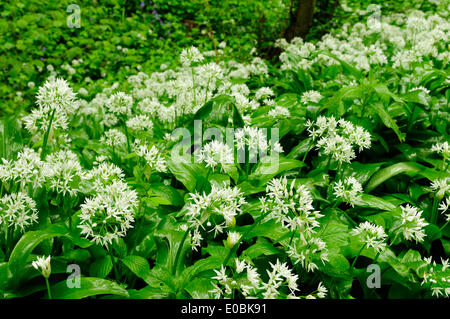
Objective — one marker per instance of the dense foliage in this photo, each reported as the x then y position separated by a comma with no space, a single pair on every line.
207,174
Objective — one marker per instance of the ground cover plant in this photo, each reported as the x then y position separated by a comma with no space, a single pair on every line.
323,174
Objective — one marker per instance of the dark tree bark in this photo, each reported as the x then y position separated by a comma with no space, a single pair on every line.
302,13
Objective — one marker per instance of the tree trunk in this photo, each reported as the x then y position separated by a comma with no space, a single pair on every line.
301,19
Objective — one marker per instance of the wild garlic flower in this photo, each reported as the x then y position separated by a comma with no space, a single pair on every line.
441,148
104,174
42,264
308,252
436,277
280,275
216,210
190,56
63,172
441,187
443,208
279,112
245,280
114,138
252,137
108,215
18,210
54,96
410,224
216,153
338,138
291,205
25,170
311,97
320,293
120,104
233,238
349,191
152,156
263,93
372,235
140,123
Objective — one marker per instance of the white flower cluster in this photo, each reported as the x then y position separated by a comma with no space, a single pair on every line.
291,206
349,191
63,172
247,282
152,156
18,210
441,148
202,211
108,215
311,97
403,40
410,224
103,174
140,123
190,56
215,153
120,104
437,277
308,252
42,264
55,96
114,138
444,207
25,170
338,138
441,187
372,235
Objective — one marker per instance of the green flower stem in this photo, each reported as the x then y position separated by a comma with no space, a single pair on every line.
116,272
445,225
9,241
127,135
193,86
48,288
180,247
434,210
235,247
354,260
47,133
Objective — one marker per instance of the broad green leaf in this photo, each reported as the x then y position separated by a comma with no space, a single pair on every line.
388,120
271,166
23,249
101,267
391,171
89,286
139,266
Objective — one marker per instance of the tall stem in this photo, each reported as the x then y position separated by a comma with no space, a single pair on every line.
193,86
434,210
44,145
354,260
116,272
48,289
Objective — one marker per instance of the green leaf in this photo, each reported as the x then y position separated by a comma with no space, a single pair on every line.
388,120
219,110
391,171
370,201
101,267
23,249
187,172
139,266
271,166
89,286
